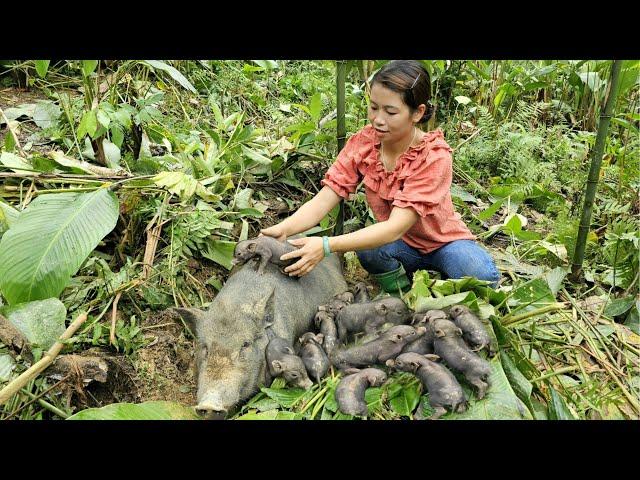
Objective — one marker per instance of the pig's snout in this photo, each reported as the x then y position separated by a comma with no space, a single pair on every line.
209,412
390,363
421,331
215,405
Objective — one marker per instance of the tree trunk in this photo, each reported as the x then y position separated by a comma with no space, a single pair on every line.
594,172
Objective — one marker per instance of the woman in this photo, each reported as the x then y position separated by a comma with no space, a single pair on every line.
407,175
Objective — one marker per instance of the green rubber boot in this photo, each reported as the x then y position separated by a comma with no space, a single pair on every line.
394,282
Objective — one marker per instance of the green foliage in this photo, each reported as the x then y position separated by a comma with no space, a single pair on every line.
49,241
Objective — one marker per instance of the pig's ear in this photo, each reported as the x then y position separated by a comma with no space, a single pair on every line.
439,333
458,332
320,338
277,366
381,308
191,317
252,246
414,366
349,371
432,357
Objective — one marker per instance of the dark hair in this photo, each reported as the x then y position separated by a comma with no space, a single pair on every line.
410,79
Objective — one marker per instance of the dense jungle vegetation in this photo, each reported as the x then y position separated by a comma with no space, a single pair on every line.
153,170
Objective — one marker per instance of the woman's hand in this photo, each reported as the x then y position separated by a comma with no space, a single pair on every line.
276,231
310,253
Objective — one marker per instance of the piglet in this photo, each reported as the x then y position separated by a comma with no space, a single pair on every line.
283,362
473,330
266,249
313,356
351,389
370,316
444,390
449,345
325,323
360,293
388,345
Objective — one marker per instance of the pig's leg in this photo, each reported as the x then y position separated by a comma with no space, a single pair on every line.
264,259
480,385
438,412
342,332
419,415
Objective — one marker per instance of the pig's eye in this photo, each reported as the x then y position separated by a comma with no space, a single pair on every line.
294,375
246,344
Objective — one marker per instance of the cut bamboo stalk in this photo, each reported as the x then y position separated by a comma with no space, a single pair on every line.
14,386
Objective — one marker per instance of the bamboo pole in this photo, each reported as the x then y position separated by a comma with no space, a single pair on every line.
14,386
594,172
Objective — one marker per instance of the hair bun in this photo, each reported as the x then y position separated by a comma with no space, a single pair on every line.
427,113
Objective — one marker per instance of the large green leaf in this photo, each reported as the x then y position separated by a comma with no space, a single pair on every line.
286,397
407,398
173,73
558,409
40,321
41,67
521,386
16,163
427,303
157,410
220,251
500,402
49,241
8,215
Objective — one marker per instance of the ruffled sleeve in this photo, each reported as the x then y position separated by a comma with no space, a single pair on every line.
343,176
426,181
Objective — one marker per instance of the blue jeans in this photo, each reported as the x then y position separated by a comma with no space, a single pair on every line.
454,260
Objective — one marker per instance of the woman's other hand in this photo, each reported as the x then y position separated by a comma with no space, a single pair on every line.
311,252
276,231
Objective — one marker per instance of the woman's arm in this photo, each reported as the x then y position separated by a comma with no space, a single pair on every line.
392,229
311,250
306,217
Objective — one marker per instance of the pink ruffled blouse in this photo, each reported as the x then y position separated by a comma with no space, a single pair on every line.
420,180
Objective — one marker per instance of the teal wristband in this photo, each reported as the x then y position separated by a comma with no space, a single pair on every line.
325,246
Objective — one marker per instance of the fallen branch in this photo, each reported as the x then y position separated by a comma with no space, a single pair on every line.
114,313
511,320
14,386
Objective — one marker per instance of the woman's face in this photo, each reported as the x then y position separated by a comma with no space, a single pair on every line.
390,116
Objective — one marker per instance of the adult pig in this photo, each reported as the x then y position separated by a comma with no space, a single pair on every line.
231,336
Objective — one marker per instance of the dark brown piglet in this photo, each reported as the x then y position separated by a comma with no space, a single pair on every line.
473,330
449,345
282,362
333,307
360,293
327,326
370,316
388,345
266,249
351,389
313,355
424,344
444,390
346,297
